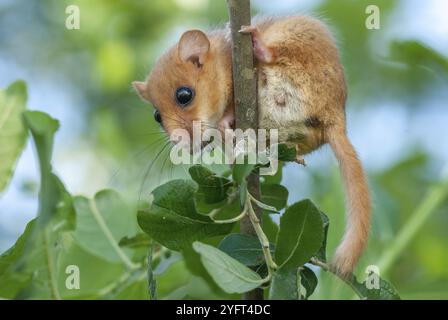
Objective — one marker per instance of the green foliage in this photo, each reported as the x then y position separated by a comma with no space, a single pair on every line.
36,252
101,238
240,263
274,195
12,281
408,245
140,240
212,189
301,235
385,291
231,275
308,280
64,233
244,248
102,222
173,220
322,253
415,53
12,131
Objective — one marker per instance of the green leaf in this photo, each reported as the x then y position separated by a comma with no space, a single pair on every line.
284,285
12,131
212,189
274,195
194,264
44,245
101,223
322,253
231,275
287,284
301,235
244,248
385,291
416,53
52,191
265,207
56,216
140,240
241,171
286,153
98,277
276,178
173,220
43,128
308,280
12,280
270,228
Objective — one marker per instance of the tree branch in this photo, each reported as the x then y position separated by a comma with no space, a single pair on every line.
245,98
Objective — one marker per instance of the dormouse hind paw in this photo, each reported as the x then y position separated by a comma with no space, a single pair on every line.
299,158
301,161
262,52
248,30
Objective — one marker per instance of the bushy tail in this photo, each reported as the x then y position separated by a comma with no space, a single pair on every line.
357,199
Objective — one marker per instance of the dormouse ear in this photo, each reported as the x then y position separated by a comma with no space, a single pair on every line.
140,87
194,47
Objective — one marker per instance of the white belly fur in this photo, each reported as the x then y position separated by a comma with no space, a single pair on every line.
280,105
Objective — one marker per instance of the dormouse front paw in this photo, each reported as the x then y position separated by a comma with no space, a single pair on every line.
226,122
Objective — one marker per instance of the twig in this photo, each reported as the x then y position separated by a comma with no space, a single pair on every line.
264,241
231,220
347,279
245,98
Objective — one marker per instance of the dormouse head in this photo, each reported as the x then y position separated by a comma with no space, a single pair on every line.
189,83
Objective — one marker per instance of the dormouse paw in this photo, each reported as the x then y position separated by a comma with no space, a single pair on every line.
262,52
301,161
248,29
227,122
299,158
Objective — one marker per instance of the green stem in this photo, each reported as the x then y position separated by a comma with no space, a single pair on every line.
215,212
261,236
232,220
255,221
110,291
432,201
347,280
109,236
150,274
53,283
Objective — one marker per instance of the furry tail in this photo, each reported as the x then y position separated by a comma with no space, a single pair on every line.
358,203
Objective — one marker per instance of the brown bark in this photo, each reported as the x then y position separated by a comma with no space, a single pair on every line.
245,96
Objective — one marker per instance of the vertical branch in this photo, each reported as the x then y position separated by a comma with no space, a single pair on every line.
245,98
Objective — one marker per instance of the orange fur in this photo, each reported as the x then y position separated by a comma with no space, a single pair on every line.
358,202
301,92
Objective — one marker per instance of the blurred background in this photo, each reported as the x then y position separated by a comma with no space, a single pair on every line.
397,117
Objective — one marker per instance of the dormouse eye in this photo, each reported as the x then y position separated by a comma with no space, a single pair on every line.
157,116
184,96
